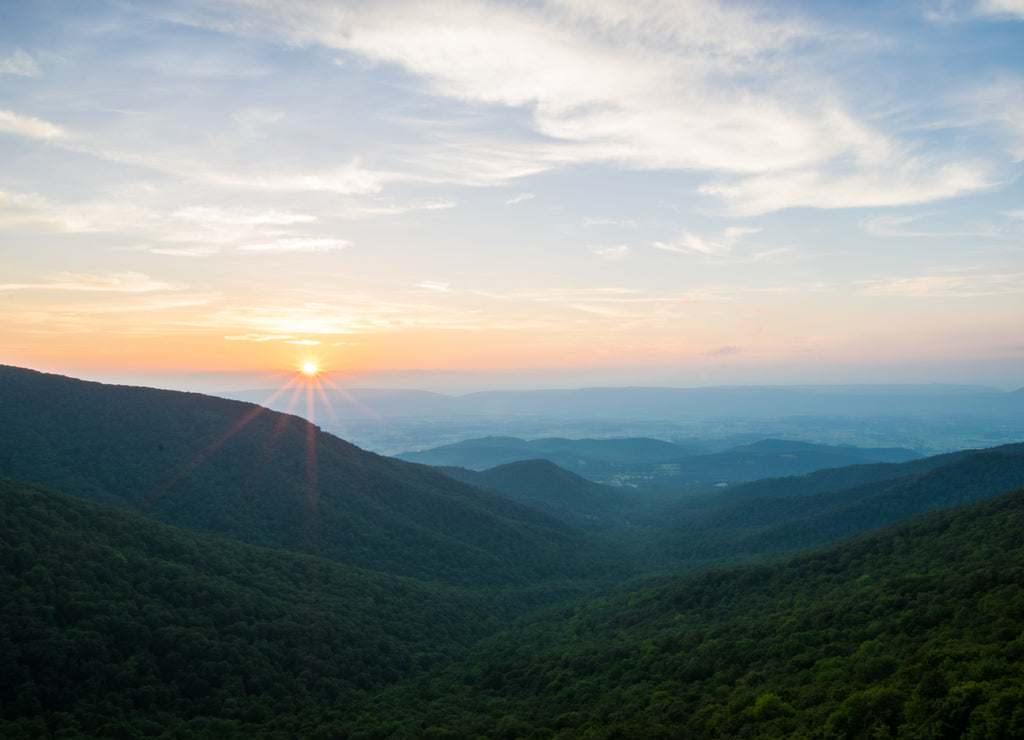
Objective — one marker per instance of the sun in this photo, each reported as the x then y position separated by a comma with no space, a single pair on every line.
310,369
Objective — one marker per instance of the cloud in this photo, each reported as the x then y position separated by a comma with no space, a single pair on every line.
32,128
723,351
520,198
357,315
758,99
896,226
191,231
114,282
1000,8
252,337
20,63
636,83
299,244
198,251
960,11
702,86
998,107
373,209
434,286
907,183
215,215
255,121
30,209
117,315
350,178
612,253
627,222
721,245
950,286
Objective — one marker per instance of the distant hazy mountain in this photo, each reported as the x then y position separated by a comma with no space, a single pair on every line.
928,401
584,456
829,479
761,518
544,484
238,470
766,516
930,418
640,461
772,458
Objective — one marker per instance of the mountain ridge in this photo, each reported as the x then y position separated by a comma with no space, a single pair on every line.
231,468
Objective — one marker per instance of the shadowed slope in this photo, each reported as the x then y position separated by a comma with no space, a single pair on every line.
242,471
912,632
108,618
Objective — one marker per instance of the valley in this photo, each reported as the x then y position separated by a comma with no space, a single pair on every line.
182,565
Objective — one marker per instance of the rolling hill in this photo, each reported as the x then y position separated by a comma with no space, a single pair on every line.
543,484
640,461
591,458
238,470
915,632
758,526
115,625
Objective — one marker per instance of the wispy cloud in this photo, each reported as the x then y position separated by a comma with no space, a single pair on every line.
434,286
358,315
723,351
254,122
115,282
950,286
959,11
216,216
618,252
718,246
32,128
901,226
520,198
285,338
907,183
627,222
374,208
114,315
700,86
299,244
191,231
212,168
1001,8
20,63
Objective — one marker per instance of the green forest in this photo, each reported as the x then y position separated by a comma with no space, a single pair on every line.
179,566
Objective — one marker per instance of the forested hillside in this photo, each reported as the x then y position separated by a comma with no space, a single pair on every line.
554,489
752,525
112,625
242,471
115,626
916,632
639,460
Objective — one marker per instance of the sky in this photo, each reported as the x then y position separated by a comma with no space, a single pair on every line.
540,193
